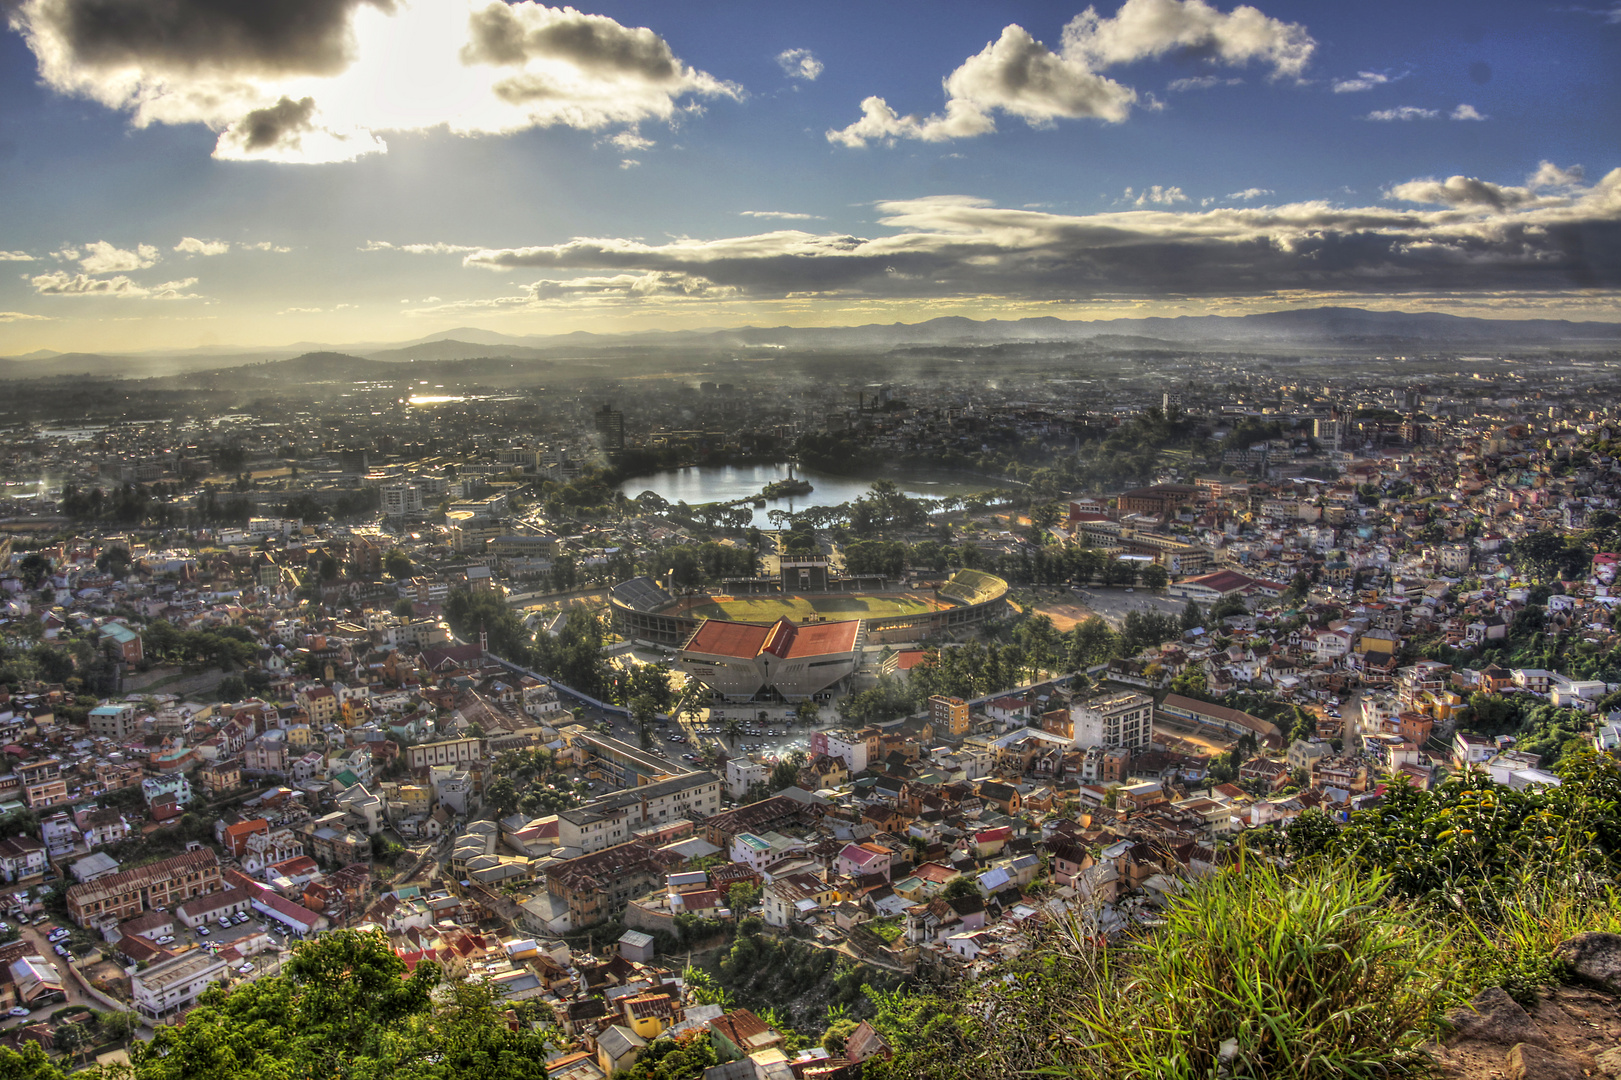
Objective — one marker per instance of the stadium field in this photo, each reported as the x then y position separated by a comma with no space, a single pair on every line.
768,609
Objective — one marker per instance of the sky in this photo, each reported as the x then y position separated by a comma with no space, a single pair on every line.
216,173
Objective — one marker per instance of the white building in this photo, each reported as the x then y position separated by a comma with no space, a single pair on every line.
164,989
1112,720
742,774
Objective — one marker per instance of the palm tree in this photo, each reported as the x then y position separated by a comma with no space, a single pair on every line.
731,727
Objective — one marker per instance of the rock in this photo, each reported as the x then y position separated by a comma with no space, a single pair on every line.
1609,1063
1595,957
1496,1018
1526,1062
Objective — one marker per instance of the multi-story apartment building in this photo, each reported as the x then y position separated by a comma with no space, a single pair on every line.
614,818
120,896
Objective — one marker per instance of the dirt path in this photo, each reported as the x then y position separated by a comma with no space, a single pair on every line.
1065,614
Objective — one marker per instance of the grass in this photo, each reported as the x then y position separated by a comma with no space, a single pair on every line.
1259,974
767,609
889,929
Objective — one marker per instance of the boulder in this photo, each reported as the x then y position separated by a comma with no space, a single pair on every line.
1609,1063
1495,1017
1527,1062
1595,957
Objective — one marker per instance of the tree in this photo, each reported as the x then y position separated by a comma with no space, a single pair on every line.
232,688
1192,616
1092,642
643,709
961,885
502,795
397,564
1156,577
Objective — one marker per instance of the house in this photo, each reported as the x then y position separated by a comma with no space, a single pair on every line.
739,1033
858,859
21,858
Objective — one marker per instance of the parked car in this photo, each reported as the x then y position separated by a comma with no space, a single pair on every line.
241,917
245,969
60,951
202,931
18,1010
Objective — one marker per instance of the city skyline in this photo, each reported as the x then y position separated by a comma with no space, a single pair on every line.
373,171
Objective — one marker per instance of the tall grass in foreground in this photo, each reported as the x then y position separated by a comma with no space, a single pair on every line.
1266,974
1508,939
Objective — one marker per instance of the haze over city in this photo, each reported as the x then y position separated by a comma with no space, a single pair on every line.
373,171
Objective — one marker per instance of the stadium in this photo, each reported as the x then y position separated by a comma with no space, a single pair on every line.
805,593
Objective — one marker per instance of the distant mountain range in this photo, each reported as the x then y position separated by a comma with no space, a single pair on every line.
1323,327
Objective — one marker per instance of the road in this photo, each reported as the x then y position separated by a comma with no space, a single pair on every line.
35,935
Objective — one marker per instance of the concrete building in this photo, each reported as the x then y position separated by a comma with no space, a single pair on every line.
614,818
744,661
1112,719
167,988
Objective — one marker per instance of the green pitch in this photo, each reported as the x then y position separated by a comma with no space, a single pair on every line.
768,609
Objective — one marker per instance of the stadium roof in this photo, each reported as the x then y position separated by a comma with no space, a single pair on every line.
781,639
718,637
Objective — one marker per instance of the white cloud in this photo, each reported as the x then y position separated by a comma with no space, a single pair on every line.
628,163
418,249
1250,193
60,283
1200,82
15,256
780,215
631,141
103,258
1549,175
20,316
311,81
305,310
799,64
1468,112
1473,237
267,245
1164,196
1365,80
190,245
1404,112
1020,76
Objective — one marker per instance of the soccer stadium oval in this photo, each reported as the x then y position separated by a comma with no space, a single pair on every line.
643,609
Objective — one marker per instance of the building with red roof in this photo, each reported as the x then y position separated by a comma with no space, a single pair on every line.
745,661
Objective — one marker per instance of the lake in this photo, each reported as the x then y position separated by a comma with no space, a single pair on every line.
722,483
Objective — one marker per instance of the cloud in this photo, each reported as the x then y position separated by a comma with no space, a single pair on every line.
1365,80
190,245
630,141
266,245
1200,82
20,316
1471,238
628,163
103,258
303,310
60,283
1404,112
1250,193
1549,175
799,64
781,215
15,256
1164,196
313,81
1467,112
1611,14
1022,77
418,249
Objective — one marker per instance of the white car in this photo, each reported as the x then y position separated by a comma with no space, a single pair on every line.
202,931
245,969
61,951
18,1010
